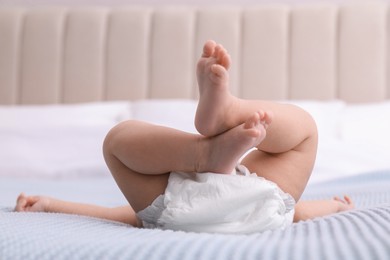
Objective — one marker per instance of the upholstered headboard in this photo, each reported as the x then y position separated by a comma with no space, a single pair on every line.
63,55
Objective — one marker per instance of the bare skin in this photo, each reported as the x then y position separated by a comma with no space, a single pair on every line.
26,203
304,210
141,156
287,154
310,209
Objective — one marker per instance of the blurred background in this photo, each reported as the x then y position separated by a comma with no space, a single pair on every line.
160,2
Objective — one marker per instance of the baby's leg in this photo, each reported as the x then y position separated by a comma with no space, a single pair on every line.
140,156
287,154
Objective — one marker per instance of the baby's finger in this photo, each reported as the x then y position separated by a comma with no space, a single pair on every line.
21,196
21,203
32,199
336,198
348,199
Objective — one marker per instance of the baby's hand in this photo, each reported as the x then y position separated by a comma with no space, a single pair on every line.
345,204
32,203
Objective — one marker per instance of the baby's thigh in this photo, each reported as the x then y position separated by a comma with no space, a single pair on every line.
139,189
290,170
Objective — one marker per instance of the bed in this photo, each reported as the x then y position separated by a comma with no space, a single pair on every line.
68,74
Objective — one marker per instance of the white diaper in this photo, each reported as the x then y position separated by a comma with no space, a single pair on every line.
240,203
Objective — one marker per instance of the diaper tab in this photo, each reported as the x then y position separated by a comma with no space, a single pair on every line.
241,170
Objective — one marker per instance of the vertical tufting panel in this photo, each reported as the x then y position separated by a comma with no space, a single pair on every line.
387,96
65,55
171,67
128,54
223,25
313,52
84,55
265,52
40,56
362,52
10,33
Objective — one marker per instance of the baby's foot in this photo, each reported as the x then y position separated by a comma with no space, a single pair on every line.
216,104
223,151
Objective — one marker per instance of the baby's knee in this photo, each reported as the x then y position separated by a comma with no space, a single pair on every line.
312,124
313,132
119,135
309,127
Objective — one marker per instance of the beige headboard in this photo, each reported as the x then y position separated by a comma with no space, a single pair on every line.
64,55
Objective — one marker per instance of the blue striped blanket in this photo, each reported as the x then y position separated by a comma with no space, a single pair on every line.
363,233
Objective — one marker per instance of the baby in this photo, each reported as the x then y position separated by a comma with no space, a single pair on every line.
182,181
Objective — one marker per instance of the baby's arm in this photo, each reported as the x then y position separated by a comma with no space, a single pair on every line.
305,210
123,214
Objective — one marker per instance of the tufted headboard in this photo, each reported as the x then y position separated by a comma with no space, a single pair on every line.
318,51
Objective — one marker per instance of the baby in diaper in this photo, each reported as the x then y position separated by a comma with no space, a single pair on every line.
240,203
190,182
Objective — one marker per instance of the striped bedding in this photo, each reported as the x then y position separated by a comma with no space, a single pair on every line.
363,233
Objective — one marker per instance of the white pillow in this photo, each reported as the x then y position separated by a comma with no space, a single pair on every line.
177,114
53,151
180,114
57,140
59,115
367,123
363,143
327,115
